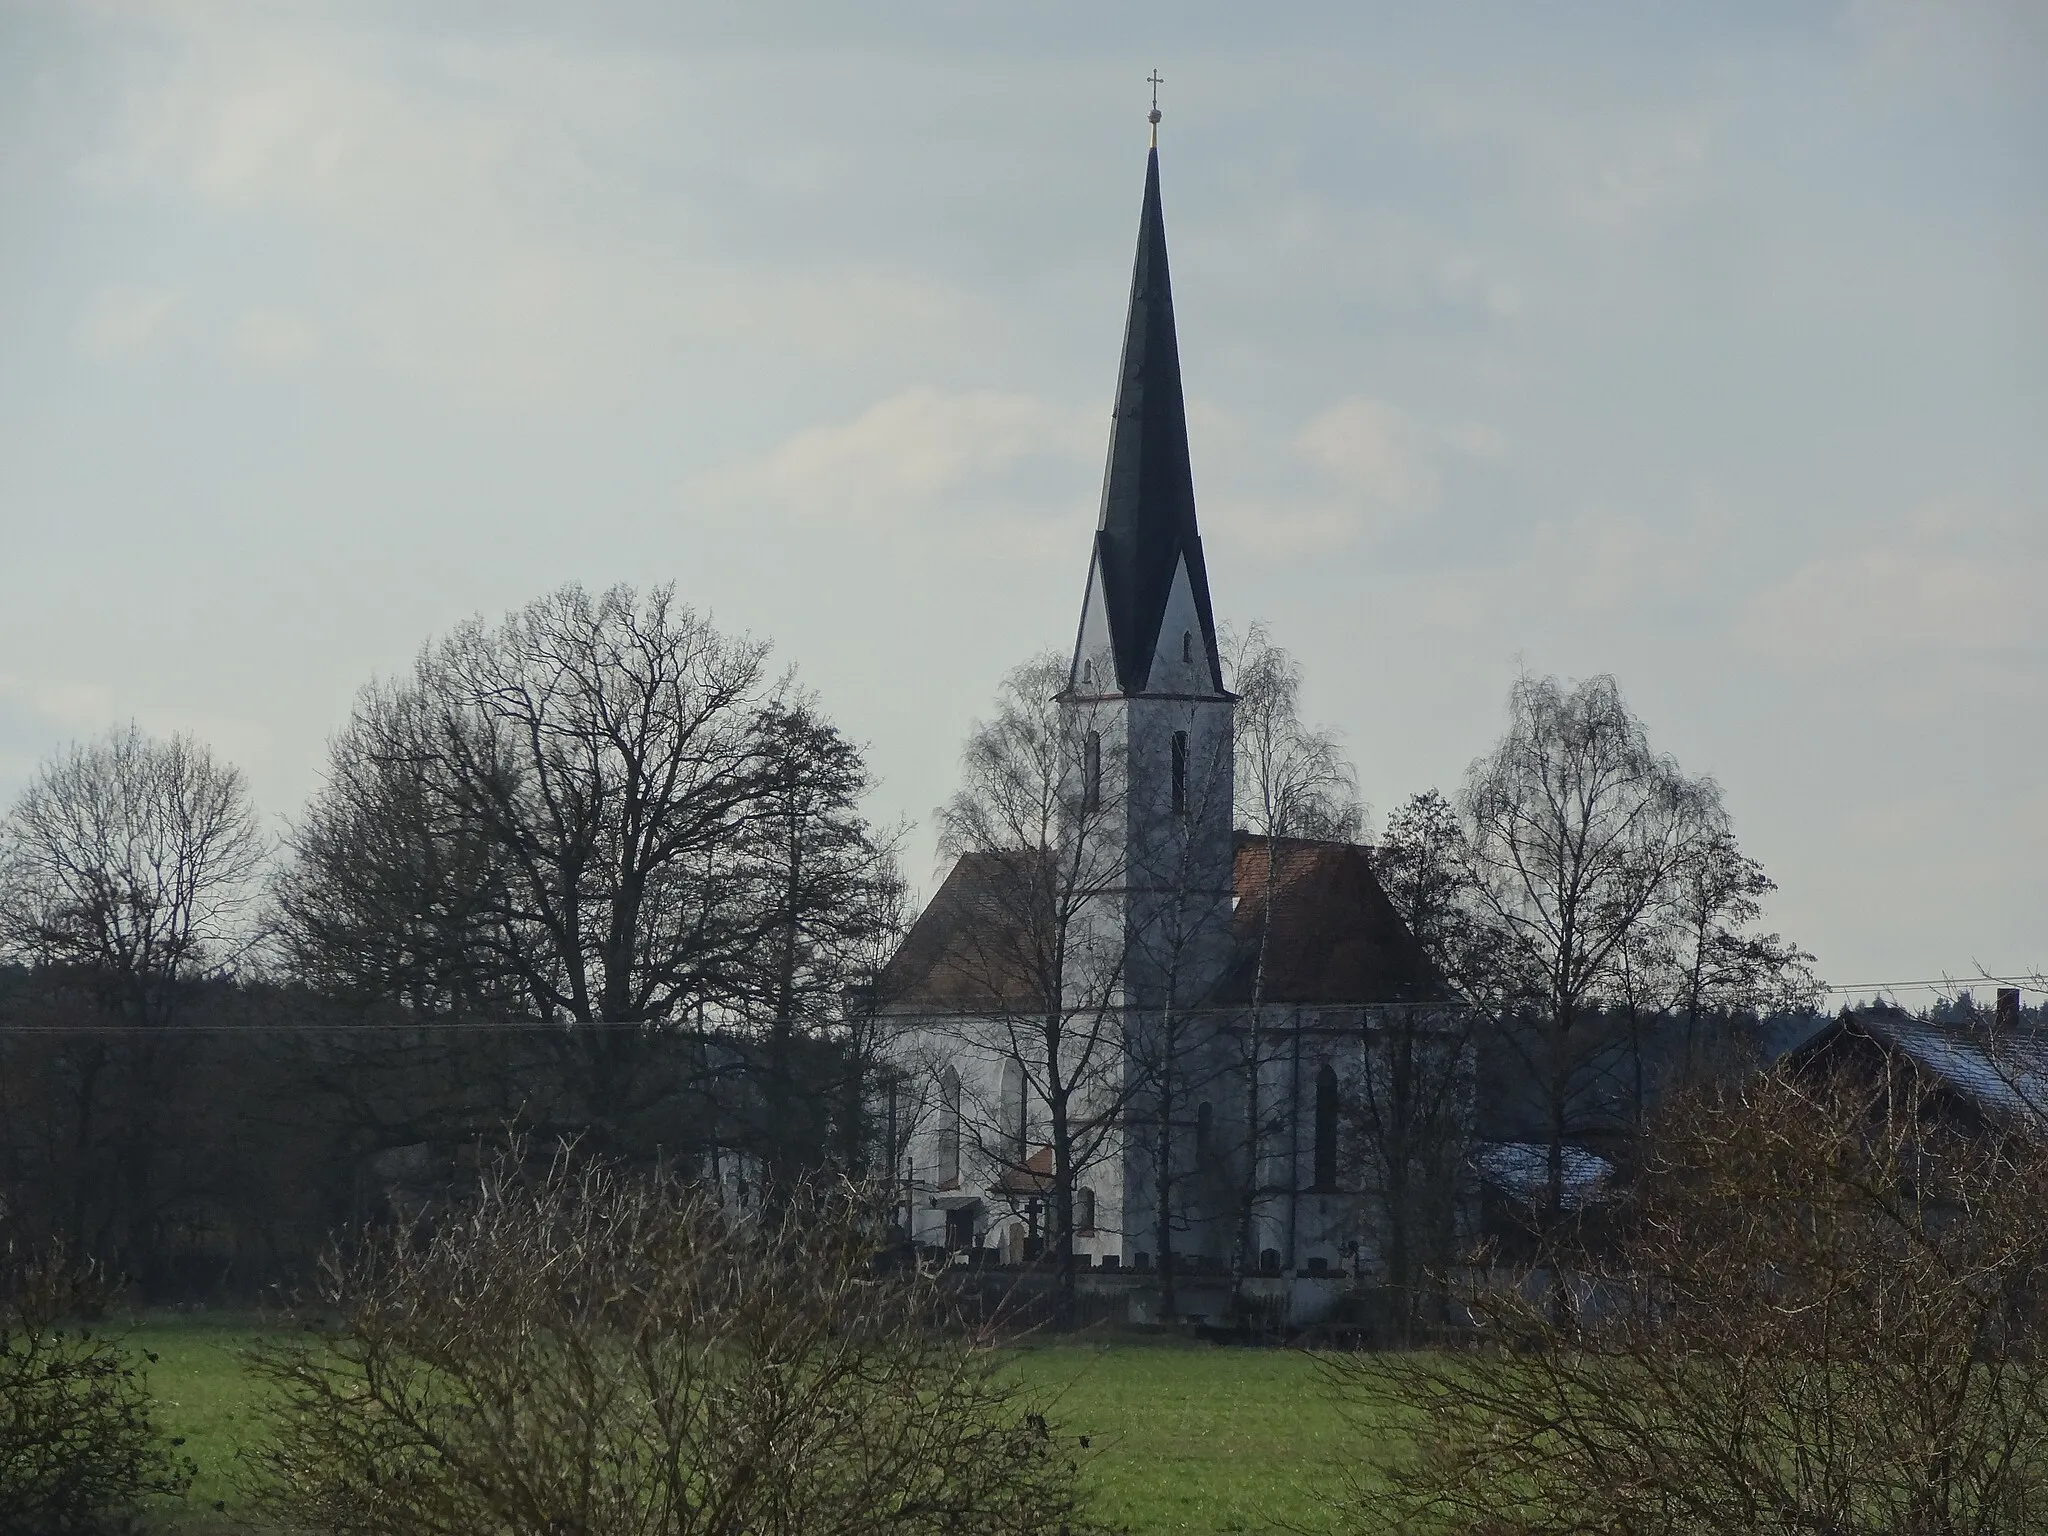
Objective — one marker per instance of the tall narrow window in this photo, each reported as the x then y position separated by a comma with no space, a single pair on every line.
1326,1128
1180,773
1084,1209
1091,771
949,1127
1205,1130
1187,645
1013,1112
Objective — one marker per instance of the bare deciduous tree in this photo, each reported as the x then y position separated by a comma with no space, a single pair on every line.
601,813
1575,831
576,1350
1722,963
133,860
1408,1099
127,871
1049,968
1292,781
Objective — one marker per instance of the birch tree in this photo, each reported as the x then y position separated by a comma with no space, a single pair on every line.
1292,781
1576,831
1045,955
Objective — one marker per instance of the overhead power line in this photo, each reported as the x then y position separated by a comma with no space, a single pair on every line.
1944,982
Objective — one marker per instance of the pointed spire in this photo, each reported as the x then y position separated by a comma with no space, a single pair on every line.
1147,531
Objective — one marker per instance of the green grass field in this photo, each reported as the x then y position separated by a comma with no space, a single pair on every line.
1183,1439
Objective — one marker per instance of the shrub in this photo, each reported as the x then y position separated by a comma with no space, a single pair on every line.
582,1351
1824,1314
78,1450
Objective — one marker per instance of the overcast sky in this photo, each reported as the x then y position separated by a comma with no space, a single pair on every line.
1706,346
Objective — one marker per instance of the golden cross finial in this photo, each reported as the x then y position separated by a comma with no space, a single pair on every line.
1156,80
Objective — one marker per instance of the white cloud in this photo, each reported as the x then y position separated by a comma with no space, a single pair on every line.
1947,581
37,715
72,706
121,321
506,241
978,463
1372,451
1609,178
1359,470
275,338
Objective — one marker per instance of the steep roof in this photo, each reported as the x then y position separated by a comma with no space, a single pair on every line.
970,948
1334,938
2002,1072
1147,525
1331,936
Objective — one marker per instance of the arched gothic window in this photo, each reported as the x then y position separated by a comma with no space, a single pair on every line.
949,1127
1091,771
1180,773
1205,1130
1326,1128
1084,1209
1187,645
1013,1124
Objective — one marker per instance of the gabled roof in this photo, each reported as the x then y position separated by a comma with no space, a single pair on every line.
1147,526
969,949
1334,938
2003,1073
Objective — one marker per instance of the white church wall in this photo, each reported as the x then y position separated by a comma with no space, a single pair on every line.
1001,1123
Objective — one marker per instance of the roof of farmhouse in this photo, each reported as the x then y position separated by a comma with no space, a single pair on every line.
984,941
2001,1072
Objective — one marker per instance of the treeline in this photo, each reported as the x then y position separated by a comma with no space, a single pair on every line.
594,872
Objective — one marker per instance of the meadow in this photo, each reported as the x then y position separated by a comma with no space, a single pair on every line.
1184,1439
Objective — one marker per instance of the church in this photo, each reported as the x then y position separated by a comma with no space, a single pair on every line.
1124,1027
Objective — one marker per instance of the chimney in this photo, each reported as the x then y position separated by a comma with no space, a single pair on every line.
2007,1015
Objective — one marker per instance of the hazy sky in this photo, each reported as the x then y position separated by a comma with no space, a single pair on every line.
1703,345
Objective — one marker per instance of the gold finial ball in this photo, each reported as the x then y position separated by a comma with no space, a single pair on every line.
1152,117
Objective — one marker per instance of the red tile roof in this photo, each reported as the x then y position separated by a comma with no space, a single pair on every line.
1327,930
973,948
1333,937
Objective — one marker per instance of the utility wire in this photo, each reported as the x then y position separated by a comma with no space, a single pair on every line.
1943,982
585,1026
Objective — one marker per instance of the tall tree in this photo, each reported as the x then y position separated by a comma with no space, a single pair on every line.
830,885
600,813
1424,864
1410,1094
1292,781
1576,831
128,872
1040,823
134,860
1723,962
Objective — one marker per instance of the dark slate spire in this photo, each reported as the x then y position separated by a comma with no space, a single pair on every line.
1148,492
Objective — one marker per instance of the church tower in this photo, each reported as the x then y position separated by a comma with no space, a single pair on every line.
1145,701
